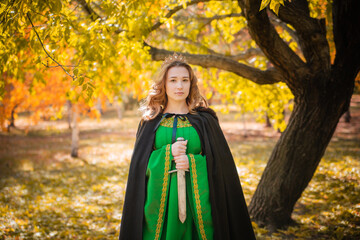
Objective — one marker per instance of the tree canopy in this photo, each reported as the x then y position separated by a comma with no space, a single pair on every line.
102,49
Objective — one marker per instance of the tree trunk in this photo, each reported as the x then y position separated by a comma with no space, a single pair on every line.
119,109
267,121
99,107
69,110
75,132
297,154
12,118
244,123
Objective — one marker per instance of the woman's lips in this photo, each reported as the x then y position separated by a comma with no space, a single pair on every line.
179,93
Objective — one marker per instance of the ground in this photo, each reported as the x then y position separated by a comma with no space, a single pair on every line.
46,194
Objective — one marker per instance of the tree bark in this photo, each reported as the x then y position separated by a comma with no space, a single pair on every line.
320,101
296,156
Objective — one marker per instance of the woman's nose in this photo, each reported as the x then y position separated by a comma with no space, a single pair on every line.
179,84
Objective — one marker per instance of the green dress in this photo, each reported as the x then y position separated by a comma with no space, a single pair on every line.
161,219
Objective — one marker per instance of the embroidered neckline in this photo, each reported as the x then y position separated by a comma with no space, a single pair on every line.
168,122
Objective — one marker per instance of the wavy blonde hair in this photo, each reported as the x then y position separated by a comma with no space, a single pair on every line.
157,100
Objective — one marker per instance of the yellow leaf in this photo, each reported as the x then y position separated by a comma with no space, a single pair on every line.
264,3
274,5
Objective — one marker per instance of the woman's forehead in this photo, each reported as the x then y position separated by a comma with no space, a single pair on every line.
177,72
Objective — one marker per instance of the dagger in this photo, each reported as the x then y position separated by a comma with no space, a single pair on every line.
181,182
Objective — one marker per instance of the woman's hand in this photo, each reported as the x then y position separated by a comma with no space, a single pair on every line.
182,162
178,148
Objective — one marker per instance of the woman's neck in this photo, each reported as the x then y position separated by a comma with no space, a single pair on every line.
176,108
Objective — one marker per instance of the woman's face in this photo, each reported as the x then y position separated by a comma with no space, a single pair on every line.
177,84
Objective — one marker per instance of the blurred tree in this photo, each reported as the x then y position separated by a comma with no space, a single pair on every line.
47,56
286,51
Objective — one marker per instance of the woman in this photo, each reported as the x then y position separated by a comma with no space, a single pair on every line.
214,205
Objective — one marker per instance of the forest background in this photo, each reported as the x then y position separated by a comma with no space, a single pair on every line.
72,73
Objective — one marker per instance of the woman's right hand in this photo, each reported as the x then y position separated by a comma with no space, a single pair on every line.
179,148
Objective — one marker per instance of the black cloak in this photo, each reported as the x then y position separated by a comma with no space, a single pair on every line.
228,207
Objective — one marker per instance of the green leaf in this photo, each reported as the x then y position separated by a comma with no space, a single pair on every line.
81,80
84,87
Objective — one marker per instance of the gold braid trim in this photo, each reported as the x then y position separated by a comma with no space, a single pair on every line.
163,193
169,122
197,197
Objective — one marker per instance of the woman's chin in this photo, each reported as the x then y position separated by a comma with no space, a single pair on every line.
178,98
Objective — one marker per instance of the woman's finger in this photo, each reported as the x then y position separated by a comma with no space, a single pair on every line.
182,166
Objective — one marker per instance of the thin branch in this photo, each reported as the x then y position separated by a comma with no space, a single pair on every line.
3,15
208,20
38,13
173,11
58,66
93,15
268,76
185,39
37,26
72,76
77,5
218,17
247,54
241,56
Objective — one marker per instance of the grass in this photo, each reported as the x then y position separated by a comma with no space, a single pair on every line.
46,194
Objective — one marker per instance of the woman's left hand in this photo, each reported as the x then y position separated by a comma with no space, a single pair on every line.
182,162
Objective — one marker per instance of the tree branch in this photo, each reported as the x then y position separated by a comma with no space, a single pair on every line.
208,20
269,76
311,33
276,21
241,56
72,76
173,11
93,15
346,20
247,54
269,41
185,39
89,10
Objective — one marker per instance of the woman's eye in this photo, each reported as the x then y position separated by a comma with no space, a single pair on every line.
185,80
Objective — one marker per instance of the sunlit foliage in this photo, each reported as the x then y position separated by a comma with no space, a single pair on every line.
99,45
